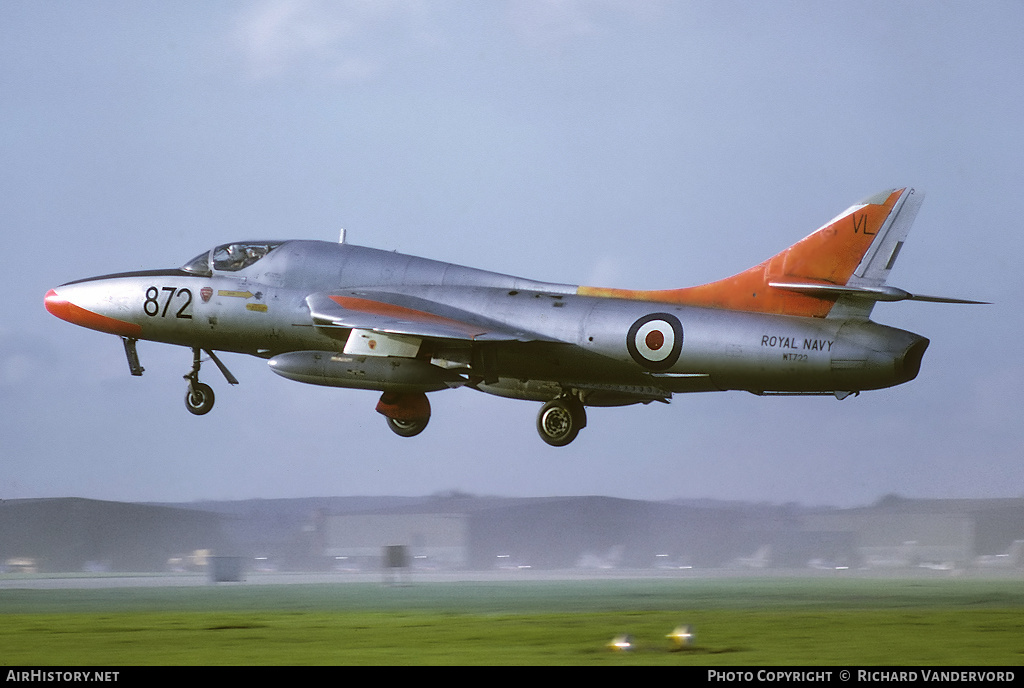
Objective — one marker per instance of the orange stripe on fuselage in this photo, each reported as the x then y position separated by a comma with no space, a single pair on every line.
830,256
402,313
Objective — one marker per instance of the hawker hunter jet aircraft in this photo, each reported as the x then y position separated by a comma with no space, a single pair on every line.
348,316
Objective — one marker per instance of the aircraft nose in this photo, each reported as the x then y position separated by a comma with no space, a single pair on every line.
59,306
61,302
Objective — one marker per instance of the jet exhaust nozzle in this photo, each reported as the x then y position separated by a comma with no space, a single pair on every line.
909,365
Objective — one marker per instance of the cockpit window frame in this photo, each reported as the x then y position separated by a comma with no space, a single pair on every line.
240,254
231,257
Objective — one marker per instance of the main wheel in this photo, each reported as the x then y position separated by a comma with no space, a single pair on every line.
199,398
407,428
560,420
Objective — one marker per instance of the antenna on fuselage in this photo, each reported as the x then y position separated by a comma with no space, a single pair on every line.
341,238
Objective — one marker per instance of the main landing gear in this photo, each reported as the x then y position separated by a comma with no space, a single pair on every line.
561,419
558,423
407,413
199,396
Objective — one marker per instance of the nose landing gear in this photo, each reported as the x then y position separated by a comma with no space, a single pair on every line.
199,396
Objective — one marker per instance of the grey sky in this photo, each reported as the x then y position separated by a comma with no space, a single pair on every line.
627,144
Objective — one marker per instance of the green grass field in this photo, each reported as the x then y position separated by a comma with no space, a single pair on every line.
740,621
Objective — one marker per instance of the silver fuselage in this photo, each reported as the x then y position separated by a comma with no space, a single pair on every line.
583,341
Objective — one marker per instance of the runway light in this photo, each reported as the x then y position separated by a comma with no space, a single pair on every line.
681,637
621,643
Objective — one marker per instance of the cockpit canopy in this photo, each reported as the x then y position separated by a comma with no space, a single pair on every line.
230,257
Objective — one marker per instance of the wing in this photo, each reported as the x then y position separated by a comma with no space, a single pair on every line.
404,314
409,317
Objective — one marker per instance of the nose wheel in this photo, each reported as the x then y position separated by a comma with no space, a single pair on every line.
199,395
199,398
560,420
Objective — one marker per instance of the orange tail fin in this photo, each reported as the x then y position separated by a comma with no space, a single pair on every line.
828,257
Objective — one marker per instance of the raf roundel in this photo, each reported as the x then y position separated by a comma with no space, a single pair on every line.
654,341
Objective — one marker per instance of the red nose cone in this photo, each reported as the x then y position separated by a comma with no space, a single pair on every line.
58,306
65,310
